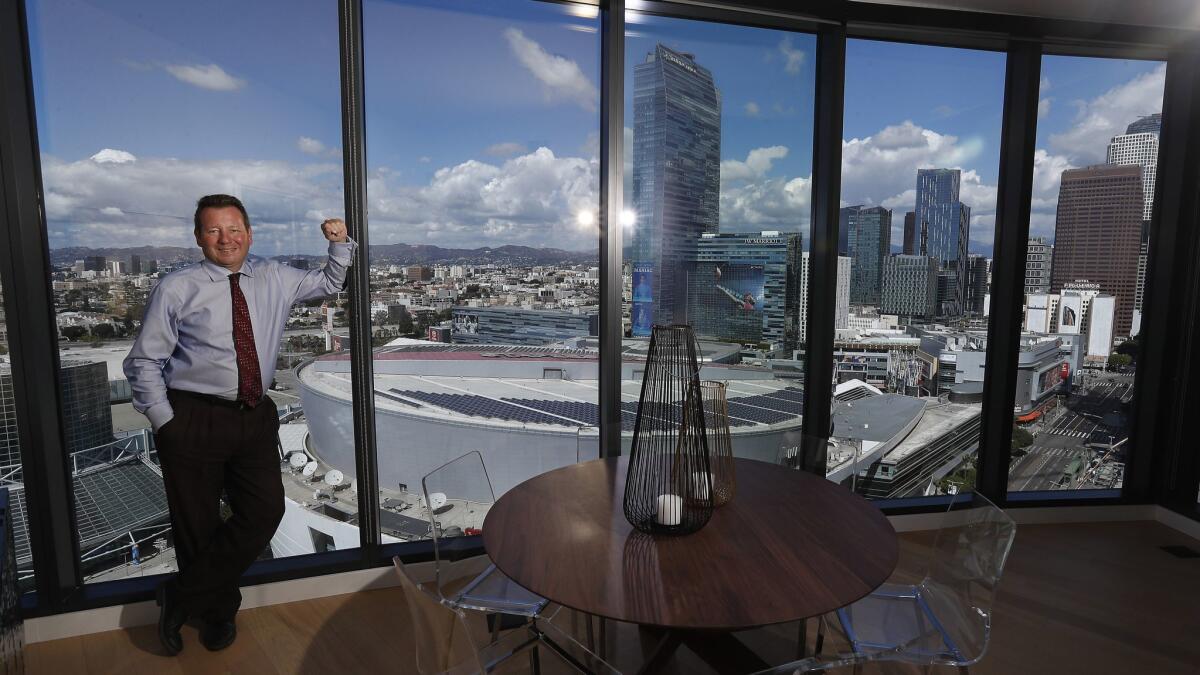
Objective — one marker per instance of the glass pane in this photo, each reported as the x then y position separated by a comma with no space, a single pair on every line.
142,109
718,162
1085,271
483,192
11,475
920,156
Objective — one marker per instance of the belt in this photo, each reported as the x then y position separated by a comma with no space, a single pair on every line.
213,399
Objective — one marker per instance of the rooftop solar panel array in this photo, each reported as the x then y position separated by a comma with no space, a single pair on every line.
586,414
770,402
763,415
481,406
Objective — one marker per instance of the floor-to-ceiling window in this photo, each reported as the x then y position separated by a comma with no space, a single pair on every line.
142,109
483,186
920,155
718,155
1085,270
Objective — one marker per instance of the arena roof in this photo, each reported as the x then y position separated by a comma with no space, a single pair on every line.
531,396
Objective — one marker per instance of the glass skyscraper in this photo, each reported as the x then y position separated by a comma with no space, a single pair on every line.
676,179
947,224
868,232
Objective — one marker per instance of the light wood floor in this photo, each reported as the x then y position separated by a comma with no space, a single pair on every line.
1089,598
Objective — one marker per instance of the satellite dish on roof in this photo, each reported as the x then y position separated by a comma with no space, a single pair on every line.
437,500
310,469
334,478
298,460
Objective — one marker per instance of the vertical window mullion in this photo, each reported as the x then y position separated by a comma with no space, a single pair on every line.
1015,189
612,154
822,284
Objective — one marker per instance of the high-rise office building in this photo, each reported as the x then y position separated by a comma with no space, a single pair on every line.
1097,233
95,263
745,288
1139,145
910,234
841,303
945,224
910,286
1039,256
1147,124
676,179
868,232
977,284
1140,148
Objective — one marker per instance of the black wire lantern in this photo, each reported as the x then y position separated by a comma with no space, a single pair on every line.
669,484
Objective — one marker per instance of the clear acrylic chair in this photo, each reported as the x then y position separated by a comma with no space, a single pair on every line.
945,619
457,496
445,642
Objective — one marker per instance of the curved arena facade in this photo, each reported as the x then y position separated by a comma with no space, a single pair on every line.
526,409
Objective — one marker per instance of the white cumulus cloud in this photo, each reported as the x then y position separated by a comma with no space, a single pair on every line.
756,165
210,76
110,156
310,146
752,109
793,58
1099,119
560,77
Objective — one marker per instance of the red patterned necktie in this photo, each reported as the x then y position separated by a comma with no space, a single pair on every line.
249,376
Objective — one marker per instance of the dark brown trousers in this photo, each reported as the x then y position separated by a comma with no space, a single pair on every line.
211,447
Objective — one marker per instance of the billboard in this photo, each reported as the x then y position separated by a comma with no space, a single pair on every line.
725,301
740,287
641,313
1070,312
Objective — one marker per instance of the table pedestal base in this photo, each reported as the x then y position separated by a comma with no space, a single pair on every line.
723,651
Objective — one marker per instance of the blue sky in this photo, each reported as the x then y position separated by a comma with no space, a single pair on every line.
483,119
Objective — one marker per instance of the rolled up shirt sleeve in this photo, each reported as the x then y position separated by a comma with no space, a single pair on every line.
331,278
144,366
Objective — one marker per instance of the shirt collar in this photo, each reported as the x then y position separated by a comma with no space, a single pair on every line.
217,273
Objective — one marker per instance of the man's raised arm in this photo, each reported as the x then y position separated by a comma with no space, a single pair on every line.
144,365
327,281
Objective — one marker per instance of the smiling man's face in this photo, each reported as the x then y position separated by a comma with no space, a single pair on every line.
224,237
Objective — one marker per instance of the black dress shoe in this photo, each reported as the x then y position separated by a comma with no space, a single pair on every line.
171,618
217,635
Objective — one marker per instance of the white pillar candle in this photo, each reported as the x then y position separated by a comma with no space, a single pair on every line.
700,480
669,510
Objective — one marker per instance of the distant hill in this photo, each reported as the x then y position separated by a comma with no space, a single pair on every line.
423,253
66,256
391,254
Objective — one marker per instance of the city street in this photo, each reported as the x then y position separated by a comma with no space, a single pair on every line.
1082,429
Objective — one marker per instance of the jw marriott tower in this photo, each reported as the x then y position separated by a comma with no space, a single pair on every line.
676,179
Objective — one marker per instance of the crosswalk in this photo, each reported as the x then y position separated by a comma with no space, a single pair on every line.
1044,451
1070,434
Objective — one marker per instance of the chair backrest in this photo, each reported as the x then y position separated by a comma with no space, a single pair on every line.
443,640
457,496
966,563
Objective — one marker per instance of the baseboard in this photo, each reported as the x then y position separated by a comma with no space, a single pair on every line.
1178,522
42,629
72,624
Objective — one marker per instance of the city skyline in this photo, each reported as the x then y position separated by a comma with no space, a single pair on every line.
229,93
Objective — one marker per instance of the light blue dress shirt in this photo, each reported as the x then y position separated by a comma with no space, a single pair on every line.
186,341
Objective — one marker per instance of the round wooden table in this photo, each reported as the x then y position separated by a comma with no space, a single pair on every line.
789,546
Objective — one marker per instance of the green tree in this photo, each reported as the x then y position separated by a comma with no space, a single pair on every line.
73,333
104,331
1021,439
1119,360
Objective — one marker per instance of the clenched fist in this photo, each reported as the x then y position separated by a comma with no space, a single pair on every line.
334,230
